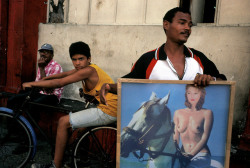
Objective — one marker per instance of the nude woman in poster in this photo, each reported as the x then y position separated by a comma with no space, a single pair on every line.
193,127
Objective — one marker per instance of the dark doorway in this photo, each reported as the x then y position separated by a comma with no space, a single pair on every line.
19,22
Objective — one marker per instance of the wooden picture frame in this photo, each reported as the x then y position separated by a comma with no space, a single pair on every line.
133,135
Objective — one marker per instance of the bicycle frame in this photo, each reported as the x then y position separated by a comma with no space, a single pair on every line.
19,113
31,123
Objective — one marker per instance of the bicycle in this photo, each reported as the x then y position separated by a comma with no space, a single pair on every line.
95,146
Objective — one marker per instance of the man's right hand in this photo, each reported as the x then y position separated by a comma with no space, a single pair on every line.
42,62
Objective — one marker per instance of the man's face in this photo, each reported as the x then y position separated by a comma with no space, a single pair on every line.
180,29
80,61
46,55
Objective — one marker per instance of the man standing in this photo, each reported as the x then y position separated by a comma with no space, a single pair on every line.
173,60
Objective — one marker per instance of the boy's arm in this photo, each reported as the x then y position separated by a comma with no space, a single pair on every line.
72,77
60,75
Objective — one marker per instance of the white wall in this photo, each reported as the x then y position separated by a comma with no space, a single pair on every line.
121,12
234,12
120,31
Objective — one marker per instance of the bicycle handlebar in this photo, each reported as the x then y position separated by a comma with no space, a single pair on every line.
28,99
6,94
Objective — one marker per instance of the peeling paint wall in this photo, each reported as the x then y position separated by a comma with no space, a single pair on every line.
118,36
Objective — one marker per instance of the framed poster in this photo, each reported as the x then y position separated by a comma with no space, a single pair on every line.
173,123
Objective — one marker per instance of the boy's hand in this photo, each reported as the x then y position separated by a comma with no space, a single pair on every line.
104,90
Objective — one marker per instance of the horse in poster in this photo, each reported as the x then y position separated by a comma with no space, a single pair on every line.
150,132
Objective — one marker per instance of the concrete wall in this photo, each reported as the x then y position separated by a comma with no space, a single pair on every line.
122,12
234,12
120,31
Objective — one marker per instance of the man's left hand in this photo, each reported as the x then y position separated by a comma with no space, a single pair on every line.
203,79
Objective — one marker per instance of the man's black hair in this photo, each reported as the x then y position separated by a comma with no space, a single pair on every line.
79,48
171,13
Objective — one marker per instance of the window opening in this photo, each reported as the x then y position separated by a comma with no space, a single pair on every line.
202,11
56,11
185,4
209,11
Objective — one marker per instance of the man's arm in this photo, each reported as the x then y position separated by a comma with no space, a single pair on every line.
42,73
41,65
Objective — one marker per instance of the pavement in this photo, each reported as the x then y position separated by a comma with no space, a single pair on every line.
43,154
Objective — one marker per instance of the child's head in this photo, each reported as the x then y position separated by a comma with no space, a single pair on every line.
79,48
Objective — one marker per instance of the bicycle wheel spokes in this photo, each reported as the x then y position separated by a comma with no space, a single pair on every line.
15,142
96,149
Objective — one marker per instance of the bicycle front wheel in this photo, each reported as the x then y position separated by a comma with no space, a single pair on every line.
96,148
15,141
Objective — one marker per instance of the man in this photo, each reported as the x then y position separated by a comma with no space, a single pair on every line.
46,67
173,60
92,78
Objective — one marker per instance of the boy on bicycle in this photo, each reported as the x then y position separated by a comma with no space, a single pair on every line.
92,78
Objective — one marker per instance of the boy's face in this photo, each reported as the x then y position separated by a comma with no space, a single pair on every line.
80,61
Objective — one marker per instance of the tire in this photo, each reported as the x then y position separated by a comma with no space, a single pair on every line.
16,142
87,152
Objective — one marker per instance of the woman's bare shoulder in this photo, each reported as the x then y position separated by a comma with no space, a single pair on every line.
181,110
207,111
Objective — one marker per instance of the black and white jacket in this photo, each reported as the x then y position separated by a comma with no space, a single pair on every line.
155,65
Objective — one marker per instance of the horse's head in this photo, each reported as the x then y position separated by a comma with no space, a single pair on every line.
145,123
